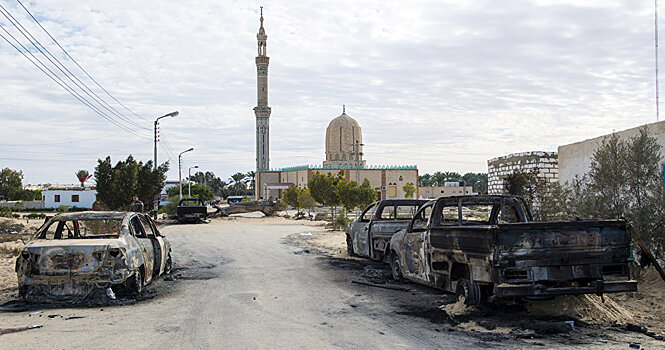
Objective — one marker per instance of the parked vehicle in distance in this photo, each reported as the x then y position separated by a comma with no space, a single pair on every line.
369,236
234,199
478,246
191,210
73,254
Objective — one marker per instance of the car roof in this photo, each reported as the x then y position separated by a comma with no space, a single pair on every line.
93,215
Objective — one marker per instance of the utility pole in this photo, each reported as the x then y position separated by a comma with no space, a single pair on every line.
172,114
656,41
180,169
356,151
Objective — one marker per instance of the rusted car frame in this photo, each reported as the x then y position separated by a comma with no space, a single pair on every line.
72,255
499,250
369,236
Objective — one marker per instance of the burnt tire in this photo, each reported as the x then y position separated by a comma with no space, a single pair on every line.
23,292
134,284
396,268
470,291
349,246
168,266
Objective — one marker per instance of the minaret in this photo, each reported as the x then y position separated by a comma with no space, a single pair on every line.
262,111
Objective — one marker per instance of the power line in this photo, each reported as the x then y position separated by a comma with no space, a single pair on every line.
60,82
34,41
75,62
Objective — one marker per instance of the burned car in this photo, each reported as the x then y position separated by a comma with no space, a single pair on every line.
478,246
369,236
74,254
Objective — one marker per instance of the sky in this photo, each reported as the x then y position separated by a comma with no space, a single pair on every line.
444,85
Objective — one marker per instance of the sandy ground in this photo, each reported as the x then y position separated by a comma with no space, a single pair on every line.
279,283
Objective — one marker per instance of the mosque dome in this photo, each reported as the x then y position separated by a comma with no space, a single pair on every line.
344,142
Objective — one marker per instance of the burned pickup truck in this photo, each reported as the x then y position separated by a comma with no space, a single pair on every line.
191,210
74,254
369,236
478,246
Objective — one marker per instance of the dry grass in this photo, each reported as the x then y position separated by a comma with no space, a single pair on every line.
9,252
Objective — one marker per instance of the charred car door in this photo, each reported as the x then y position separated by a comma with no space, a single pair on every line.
360,231
146,246
158,245
415,238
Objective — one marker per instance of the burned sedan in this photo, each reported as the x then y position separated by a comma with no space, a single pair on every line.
72,255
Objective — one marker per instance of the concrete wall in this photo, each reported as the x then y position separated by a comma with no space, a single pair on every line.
431,192
86,197
23,204
575,158
499,168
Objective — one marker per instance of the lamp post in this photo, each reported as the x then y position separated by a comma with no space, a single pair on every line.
172,114
189,179
180,169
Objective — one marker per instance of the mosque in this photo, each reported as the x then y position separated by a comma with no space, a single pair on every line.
344,149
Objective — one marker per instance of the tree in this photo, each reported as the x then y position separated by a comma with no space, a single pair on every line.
117,184
251,178
624,182
198,191
212,182
322,188
367,194
409,189
290,197
305,199
11,186
82,176
238,184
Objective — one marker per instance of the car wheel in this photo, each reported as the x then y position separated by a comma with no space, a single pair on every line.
168,267
134,284
349,246
396,268
23,292
469,291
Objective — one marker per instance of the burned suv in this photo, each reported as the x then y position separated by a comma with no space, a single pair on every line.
74,254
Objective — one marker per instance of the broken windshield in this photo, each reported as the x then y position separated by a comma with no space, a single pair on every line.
76,229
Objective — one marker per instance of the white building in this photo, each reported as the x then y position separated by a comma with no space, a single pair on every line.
498,169
74,196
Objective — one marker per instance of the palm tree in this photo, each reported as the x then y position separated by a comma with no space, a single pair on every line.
237,180
251,179
83,175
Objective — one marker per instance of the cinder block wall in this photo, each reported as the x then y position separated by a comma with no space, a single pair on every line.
499,168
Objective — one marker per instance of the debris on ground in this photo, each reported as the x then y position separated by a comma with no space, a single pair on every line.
18,329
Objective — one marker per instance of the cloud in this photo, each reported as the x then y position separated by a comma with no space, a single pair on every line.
443,85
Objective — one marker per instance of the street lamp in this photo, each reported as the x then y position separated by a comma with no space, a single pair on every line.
189,179
180,169
172,114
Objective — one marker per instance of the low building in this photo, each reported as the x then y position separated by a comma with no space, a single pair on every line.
387,181
498,169
449,189
72,196
575,158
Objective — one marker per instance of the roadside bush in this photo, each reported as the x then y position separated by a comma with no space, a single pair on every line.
171,207
341,221
35,216
16,216
62,209
6,212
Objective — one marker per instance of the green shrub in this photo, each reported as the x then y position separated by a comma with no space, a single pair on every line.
6,212
62,209
35,216
16,216
341,221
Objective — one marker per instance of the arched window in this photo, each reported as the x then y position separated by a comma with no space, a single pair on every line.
401,179
336,156
343,156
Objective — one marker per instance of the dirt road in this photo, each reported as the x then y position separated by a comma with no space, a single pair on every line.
240,283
